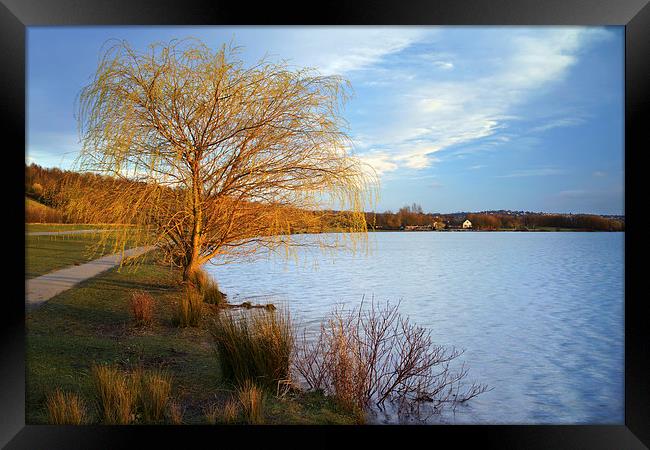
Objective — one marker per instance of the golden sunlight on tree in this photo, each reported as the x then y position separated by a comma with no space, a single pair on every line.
208,158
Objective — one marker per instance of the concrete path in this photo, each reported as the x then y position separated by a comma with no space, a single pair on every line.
54,233
40,289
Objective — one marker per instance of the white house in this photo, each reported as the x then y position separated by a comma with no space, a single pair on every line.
467,224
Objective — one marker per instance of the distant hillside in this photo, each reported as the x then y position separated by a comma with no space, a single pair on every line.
36,212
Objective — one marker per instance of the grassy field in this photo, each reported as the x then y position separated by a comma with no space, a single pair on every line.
35,227
92,324
44,254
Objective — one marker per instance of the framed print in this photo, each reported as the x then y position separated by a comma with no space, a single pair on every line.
382,220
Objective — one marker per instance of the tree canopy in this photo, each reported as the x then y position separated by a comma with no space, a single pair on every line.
221,158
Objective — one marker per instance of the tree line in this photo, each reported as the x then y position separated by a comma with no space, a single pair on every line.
413,215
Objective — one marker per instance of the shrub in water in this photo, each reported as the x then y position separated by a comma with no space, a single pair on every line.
65,408
256,345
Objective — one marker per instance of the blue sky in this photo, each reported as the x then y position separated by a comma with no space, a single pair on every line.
453,118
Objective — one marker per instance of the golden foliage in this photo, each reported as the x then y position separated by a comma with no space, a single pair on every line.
214,159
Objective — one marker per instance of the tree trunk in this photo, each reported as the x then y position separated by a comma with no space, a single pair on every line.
192,264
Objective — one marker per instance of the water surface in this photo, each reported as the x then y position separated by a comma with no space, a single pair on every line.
540,315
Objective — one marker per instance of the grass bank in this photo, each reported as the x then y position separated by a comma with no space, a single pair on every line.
92,324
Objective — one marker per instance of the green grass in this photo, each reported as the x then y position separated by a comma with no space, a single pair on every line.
44,254
92,324
35,227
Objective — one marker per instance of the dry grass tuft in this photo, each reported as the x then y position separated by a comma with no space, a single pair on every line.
142,306
230,412
115,395
256,345
208,287
175,413
251,400
211,414
65,408
189,308
155,390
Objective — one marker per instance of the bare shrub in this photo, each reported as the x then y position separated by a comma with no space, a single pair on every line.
368,356
142,306
65,408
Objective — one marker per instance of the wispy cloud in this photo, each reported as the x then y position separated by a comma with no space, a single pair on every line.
435,114
348,49
541,172
558,123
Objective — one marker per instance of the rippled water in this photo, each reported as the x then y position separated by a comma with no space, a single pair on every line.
539,314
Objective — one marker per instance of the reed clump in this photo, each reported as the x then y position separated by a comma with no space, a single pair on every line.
208,288
65,408
116,394
155,390
189,309
251,402
256,345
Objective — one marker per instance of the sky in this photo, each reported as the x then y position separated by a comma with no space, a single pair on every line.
453,118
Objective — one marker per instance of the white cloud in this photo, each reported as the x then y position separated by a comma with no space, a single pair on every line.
379,161
431,116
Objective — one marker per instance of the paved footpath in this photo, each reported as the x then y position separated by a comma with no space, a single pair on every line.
40,289
54,233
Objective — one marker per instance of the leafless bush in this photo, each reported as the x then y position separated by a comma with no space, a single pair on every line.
142,306
366,357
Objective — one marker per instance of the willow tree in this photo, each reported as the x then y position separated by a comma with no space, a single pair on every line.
211,159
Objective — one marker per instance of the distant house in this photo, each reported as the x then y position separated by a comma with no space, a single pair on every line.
467,224
439,225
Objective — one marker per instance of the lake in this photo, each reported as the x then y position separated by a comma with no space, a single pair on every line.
539,314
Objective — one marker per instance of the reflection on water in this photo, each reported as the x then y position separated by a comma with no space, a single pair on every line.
540,315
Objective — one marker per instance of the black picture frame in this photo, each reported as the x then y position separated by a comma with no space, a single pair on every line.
16,15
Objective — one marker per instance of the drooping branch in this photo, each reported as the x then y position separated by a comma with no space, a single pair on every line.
226,157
